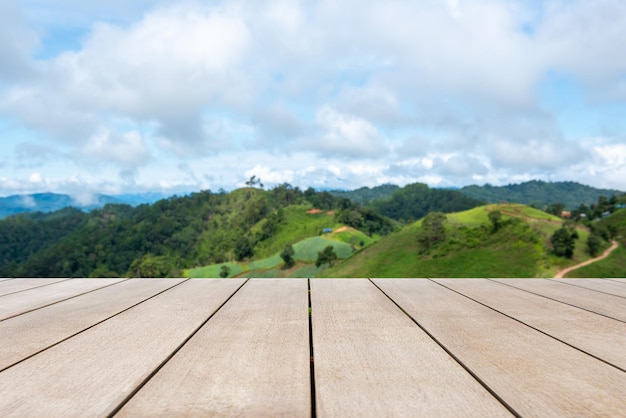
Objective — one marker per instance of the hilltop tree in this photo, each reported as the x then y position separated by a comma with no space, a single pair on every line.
254,181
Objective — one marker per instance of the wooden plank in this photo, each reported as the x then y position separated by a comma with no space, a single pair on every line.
372,360
90,374
600,285
250,359
609,305
533,373
25,335
595,334
19,285
38,297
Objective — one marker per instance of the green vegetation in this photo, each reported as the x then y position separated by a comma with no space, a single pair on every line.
614,266
563,242
415,201
327,256
611,227
174,234
288,256
539,193
305,251
366,195
281,232
468,246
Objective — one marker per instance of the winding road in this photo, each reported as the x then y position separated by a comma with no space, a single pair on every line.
604,255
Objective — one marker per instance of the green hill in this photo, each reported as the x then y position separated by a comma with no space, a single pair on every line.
305,250
613,266
539,193
173,234
414,201
471,248
365,195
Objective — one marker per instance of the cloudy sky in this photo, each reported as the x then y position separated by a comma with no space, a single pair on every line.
123,96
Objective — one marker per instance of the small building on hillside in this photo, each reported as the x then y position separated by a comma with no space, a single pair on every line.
327,230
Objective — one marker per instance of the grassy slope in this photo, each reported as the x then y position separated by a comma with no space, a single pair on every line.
470,250
615,264
305,252
296,226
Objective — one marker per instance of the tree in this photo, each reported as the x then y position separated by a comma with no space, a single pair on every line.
495,216
326,256
254,182
243,248
224,271
594,244
555,209
563,242
288,256
433,229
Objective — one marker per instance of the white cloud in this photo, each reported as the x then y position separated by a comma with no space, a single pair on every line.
127,150
346,136
444,90
35,178
586,38
16,43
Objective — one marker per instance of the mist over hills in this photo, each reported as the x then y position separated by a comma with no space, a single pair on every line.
50,202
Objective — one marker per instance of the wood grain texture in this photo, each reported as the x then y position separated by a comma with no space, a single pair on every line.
532,372
372,360
609,305
601,285
19,285
24,335
37,297
250,359
90,374
596,334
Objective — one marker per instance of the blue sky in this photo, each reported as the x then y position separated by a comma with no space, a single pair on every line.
111,96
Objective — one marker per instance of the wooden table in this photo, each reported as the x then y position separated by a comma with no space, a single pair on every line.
322,347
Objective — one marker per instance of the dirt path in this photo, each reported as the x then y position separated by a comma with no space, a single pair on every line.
604,255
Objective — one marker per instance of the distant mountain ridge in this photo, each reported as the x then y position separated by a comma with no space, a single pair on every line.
539,193
50,202
365,195
536,193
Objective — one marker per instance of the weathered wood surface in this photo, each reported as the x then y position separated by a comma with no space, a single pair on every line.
17,285
250,359
605,286
372,360
601,303
93,372
595,334
385,347
531,372
20,302
27,334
